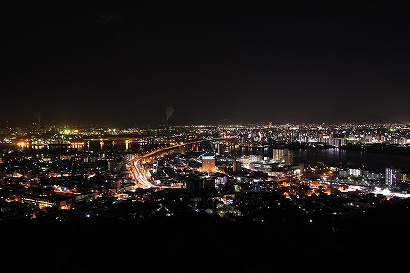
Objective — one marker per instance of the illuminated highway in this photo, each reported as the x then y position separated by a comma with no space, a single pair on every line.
142,176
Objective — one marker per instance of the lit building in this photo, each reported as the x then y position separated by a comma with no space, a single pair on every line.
284,156
287,156
392,177
208,162
236,165
277,155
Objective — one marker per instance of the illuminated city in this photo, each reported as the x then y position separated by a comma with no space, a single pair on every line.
240,174
204,137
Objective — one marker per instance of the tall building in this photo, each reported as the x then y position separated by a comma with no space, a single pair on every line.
236,165
284,156
208,162
393,177
195,187
287,156
277,155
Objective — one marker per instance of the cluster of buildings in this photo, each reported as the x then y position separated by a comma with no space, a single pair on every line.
59,181
251,134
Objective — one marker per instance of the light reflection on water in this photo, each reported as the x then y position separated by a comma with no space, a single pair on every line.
332,156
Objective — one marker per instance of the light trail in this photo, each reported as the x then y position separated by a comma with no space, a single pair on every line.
138,169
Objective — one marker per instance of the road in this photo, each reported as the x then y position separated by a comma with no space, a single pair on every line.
141,175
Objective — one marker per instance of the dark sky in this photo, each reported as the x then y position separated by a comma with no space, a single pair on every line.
213,62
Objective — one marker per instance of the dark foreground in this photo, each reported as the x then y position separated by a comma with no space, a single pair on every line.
377,242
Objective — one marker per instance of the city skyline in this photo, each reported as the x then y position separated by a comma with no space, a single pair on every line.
311,195
123,63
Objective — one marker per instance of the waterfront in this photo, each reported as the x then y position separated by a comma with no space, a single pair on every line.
367,160
371,161
291,218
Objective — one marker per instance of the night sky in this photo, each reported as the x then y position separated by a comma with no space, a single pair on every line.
119,63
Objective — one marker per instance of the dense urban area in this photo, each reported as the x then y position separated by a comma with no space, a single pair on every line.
86,199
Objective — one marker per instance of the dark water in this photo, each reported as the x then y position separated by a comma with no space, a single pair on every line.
371,161
117,146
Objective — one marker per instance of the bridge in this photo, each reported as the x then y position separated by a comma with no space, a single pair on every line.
138,170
